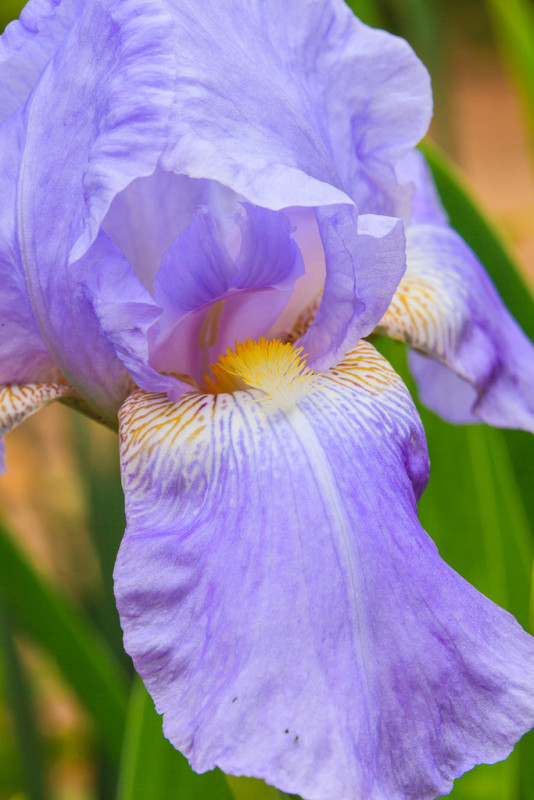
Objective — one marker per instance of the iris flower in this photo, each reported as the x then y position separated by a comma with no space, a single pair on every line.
206,209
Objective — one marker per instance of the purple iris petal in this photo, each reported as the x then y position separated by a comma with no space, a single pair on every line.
304,131
426,208
146,217
70,168
448,308
87,357
286,610
483,343
314,87
278,595
28,44
194,271
365,260
442,390
125,311
154,101
210,301
268,256
24,356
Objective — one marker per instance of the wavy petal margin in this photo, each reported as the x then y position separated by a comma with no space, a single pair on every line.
285,609
28,43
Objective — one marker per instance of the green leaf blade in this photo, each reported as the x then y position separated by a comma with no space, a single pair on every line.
152,768
56,624
20,701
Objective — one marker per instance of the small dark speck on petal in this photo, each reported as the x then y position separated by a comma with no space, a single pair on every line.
286,730
235,698
296,739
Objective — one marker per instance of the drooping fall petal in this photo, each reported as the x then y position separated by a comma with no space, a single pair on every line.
283,605
447,308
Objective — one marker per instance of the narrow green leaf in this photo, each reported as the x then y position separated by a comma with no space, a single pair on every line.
368,11
152,768
482,236
420,22
513,25
20,701
57,625
252,789
100,473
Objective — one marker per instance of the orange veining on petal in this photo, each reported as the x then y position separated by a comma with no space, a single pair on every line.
424,311
364,368
20,401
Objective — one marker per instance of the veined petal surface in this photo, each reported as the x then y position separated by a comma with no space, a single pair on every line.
288,614
24,355
326,105
144,91
447,308
19,402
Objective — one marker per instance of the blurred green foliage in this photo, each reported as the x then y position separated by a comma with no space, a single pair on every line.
9,9
479,505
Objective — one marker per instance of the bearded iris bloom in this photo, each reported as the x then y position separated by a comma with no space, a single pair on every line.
207,208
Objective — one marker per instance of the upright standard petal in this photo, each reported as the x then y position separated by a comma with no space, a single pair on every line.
162,79
365,260
283,605
326,106
154,93
146,217
24,355
210,300
113,106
